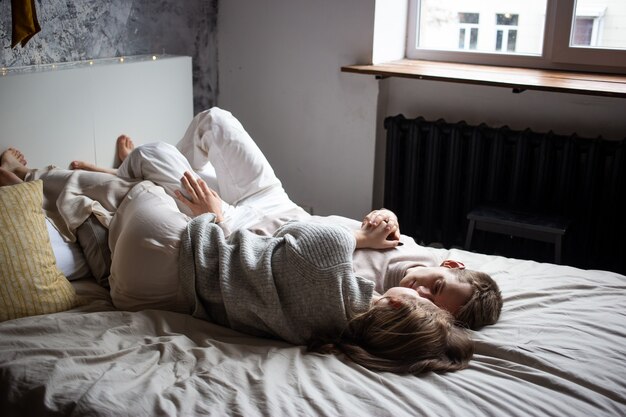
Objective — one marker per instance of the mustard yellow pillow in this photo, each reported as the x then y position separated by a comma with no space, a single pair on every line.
30,282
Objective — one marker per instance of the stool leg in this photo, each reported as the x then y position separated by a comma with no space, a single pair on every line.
470,232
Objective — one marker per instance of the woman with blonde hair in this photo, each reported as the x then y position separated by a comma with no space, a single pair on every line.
402,336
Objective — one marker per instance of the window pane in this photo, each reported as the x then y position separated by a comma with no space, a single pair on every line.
506,19
469,17
441,22
473,38
512,41
582,31
600,24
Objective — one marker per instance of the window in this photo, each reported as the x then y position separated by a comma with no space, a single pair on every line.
561,34
584,32
506,31
468,30
588,26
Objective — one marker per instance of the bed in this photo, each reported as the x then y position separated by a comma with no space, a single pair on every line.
558,350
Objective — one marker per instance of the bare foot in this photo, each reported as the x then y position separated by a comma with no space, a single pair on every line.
124,146
13,161
87,166
8,178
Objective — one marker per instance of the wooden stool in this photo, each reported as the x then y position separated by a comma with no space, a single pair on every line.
518,224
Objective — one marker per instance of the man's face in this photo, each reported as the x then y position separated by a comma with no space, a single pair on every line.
438,284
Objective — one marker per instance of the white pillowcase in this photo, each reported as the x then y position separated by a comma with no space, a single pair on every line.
69,255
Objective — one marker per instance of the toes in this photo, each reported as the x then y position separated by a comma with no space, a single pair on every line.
121,141
124,147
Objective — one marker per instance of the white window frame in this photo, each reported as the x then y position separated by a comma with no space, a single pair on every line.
557,53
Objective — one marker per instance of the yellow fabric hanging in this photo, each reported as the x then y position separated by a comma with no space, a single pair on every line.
25,24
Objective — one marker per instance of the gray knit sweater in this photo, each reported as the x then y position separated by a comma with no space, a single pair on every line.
294,285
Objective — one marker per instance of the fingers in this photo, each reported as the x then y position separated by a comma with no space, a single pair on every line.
375,217
193,189
391,226
390,244
385,234
377,237
204,188
392,231
192,186
201,198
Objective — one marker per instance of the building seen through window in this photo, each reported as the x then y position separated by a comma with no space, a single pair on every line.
505,26
513,26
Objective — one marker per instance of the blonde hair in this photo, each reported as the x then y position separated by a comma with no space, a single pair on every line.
485,303
402,338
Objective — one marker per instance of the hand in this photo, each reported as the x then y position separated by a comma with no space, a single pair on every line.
376,217
203,199
376,237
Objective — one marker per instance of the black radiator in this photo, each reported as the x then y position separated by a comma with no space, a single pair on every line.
436,172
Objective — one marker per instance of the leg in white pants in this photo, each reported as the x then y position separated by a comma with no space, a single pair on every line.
246,181
164,165
215,136
244,175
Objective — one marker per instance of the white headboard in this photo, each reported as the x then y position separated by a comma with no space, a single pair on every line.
61,112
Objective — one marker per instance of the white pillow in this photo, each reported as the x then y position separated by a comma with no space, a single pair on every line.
69,255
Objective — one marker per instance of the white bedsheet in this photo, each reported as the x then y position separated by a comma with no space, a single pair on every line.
558,350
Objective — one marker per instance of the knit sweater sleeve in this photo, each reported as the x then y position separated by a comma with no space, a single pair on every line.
296,285
322,245
315,279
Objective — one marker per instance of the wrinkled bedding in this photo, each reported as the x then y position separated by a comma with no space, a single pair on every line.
558,350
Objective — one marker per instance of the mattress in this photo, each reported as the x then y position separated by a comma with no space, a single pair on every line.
557,350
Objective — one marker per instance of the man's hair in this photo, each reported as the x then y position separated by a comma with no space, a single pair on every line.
485,303
402,338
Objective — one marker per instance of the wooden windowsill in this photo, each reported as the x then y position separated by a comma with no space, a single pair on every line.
519,79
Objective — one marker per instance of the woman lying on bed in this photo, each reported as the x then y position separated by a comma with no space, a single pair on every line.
258,202
253,289
297,285
253,198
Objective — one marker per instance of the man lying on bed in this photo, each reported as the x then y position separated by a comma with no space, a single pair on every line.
253,198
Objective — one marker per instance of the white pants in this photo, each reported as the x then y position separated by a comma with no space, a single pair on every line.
145,232
216,148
